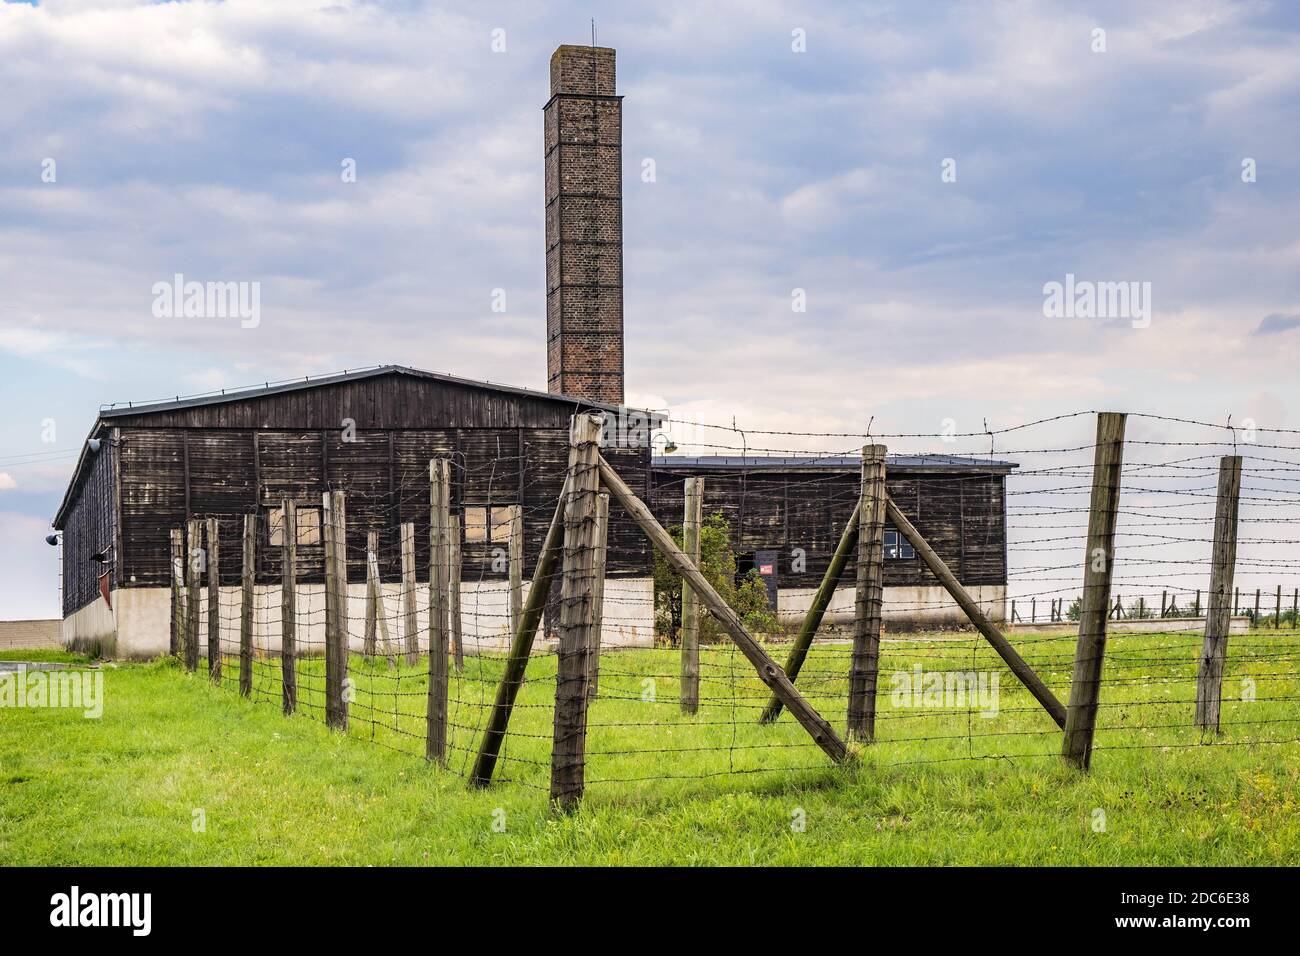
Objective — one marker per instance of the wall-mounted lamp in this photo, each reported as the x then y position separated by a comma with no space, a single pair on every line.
670,446
52,539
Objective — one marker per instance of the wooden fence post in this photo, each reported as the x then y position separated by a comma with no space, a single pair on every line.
1218,619
336,629
1277,614
214,599
288,604
376,591
178,592
197,560
246,606
865,661
1089,653
453,590
817,610
692,517
598,593
515,568
435,747
368,637
1255,621
344,633
576,613
409,626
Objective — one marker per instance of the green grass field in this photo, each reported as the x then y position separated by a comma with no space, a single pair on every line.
943,783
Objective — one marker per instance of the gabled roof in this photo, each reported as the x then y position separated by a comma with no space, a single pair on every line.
844,463
110,412
118,409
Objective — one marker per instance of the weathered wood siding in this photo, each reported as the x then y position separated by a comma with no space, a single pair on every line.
226,473
228,458
225,459
89,527
962,515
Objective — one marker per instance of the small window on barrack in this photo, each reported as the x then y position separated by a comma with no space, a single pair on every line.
492,523
308,525
897,547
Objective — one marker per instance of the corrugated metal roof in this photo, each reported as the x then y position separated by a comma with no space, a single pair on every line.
831,463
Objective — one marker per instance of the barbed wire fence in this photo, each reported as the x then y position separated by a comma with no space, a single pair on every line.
1143,573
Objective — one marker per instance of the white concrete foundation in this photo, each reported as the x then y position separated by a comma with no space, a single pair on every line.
139,625
904,608
1155,625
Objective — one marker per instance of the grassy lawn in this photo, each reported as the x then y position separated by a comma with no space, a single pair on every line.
946,782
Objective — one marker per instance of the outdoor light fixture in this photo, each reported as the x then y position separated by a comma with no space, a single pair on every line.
52,539
670,446
95,444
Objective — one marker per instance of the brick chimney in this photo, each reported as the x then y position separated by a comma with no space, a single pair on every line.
584,226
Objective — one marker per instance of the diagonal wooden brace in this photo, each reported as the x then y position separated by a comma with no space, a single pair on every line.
520,648
977,617
768,670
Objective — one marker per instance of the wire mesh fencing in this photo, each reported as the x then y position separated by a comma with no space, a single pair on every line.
1006,511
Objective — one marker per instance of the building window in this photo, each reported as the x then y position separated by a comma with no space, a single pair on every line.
896,547
308,526
489,523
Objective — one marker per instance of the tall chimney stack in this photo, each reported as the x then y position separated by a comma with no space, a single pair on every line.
584,226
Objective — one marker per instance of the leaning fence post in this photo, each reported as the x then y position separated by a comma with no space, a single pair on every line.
1218,621
817,609
1085,686
409,628
288,604
576,613
214,600
598,593
521,645
197,559
178,593
692,516
865,660
435,746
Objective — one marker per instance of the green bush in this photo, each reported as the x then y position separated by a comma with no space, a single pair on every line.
746,595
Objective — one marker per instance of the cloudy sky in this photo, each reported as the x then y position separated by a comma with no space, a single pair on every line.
796,145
